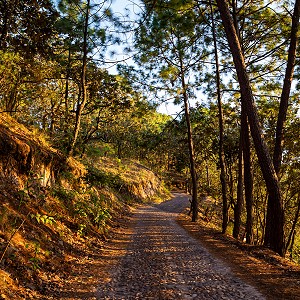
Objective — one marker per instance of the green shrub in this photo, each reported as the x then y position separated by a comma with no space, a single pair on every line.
64,194
98,177
44,219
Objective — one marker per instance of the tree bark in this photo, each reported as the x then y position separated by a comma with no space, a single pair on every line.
194,204
248,178
284,100
238,207
67,83
292,231
221,131
286,89
276,241
81,105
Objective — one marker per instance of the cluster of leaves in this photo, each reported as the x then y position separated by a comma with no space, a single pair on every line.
44,219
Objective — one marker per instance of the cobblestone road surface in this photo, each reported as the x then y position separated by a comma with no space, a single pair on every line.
164,262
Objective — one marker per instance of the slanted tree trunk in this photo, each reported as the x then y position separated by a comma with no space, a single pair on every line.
276,241
81,104
284,100
286,89
221,131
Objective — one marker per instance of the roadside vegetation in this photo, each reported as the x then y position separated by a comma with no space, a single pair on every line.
55,208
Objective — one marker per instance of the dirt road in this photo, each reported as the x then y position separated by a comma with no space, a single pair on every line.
163,261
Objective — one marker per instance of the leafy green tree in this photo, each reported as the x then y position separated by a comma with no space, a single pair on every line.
27,27
80,22
168,40
26,36
25,83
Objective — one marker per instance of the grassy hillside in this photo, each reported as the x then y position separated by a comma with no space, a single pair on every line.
54,208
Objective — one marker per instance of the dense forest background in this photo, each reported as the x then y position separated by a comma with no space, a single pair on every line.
237,145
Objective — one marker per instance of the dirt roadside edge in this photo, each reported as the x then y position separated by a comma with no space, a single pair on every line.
273,276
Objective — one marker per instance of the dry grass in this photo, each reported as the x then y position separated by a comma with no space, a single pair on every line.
19,130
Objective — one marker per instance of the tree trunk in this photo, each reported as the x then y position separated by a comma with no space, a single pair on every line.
292,243
221,131
194,204
11,101
295,221
207,173
279,139
67,83
80,105
276,241
52,121
285,94
248,178
192,160
238,208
